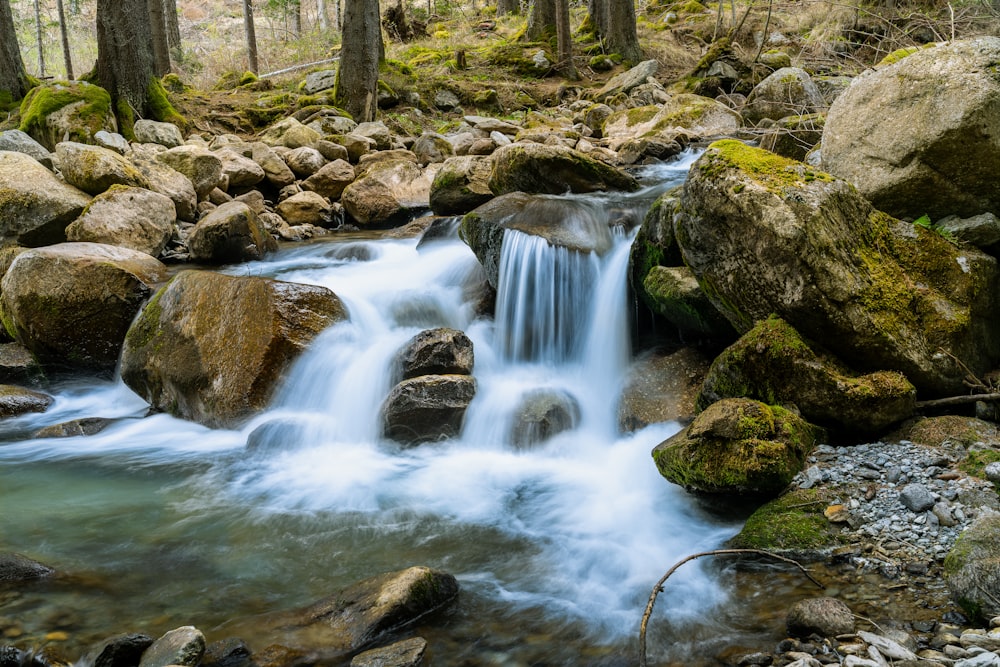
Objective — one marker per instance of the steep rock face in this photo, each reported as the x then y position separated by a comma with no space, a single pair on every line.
765,235
211,347
922,136
71,304
35,206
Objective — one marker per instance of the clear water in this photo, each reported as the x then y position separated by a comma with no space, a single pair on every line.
158,522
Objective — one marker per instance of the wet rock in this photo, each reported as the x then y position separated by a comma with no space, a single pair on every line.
15,567
407,653
153,132
460,185
673,293
15,401
439,351
230,233
182,646
127,217
35,206
74,428
972,568
232,652
827,617
124,650
537,168
661,388
19,366
427,408
916,498
542,414
179,355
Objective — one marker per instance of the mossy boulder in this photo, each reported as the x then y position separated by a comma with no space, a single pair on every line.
201,166
789,91
922,136
682,115
772,363
230,233
540,168
461,185
127,217
64,111
764,234
673,293
94,169
972,568
70,304
792,525
35,206
655,244
171,183
16,401
180,353
738,446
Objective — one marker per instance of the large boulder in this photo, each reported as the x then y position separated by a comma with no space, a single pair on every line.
180,354
541,168
773,364
673,293
94,169
171,183
71,304
789,91
276,171
201,166
440,351
922,136
21,142
764,234
972,568
35,206
230,233
388,192
687,115
461,184
152,132
738,446
127,217
63,111
427,408
331,179
15,401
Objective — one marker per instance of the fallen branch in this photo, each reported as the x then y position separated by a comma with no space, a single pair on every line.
658,588
956,400
298,67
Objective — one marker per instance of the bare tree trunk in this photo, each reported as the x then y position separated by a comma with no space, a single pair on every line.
324,21
251,36
621,34
541,21
125,57
173,28
64,34
158,34
13,80
508,7
296,9
336,21
598,10
564,41
41,40
357,75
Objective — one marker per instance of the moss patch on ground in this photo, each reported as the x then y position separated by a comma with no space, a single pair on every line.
792,523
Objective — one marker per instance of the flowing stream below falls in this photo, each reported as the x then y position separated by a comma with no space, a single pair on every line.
157,522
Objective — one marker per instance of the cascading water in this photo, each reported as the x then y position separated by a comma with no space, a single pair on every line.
563,539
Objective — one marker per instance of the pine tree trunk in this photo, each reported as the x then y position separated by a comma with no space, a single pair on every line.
336,19
564,41
64,35
173,28
41,40
251,35
598,10
357,75
13,80
158,32
324,20
508,7
621,34
125,56
541,21
296,9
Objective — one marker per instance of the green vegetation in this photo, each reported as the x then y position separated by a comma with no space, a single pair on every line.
91,114
793,522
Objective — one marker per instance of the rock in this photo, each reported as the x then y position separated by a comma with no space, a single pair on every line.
113,142
152,132
276,171
979,230
912,136
427,408
461,184
432,147
916,498
319,81
18,366
124,650
71,304
794,136
876,292
626,81
788,91
127,217
230,233
179,353
16,401
231,652
992,472
537,168
241,171
827,617
972,568
445,100
887,647
377,132
683,115
182,646
15,567
772,363
661,387
331,179
94,169
201,166
439,351
35,206
290,133
673,293
542,414
330,121
21,142
304,161
306,208
388,192
655,244
332,151
356,145
792,525
406,653
63,111
173,184
737,446
74,428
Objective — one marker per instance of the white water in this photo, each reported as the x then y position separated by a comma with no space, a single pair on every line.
580,526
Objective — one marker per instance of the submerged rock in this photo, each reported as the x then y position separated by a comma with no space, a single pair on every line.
183,646
542,414
15,567
825,616
661,387
427,408
15,401
406,653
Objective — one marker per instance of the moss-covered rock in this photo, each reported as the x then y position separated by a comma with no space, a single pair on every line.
461,185
794,136
66,110
673,293
972,569
789,91
538,168
773,364
94,169
687,115
738,446
180,353
792,525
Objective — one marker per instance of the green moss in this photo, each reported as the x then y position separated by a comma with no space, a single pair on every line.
247,78
173,84
772,171
147,326
89,118
160,107
639,115
975,462
793,522
398,66
126,119
899,54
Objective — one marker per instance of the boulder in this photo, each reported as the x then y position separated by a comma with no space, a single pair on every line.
772,363
123,650
661,387
405,653
792,525
542,414
427,408
461,184
655,244
179,354
982,231
153,132
330,121
682,115
922,136
63,111
15,567
115,142
626,81
331,179
289,133
377,132
538,168
241,171
794,136
332,151
673,293
306,208
70,304
21,142
972,569
878,293
94,169
173,184
824,616
182,646
276,171
19,366
15,401
127,217
388,192
788,91
201,166
74,428
304,161
319,81
738,446
35,206
440,351
432,147
355,145
230,233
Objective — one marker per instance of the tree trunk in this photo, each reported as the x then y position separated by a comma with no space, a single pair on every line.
296,8
125,57
324,21
508,7
621,35
158,33
541,21
41,40
335,20
13,80
64,35
251,36
598,11
357,75
564,41
173,28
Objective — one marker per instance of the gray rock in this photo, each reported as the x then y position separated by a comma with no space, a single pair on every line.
916,498
789,91
15,567
407,653
972,569
626,81
74,428
304,161
445,100
432,147
825,616
35,206
112,141
319,81
979,230
439,351
427,408
19,366
127,217
388,191
230,233
377,132
16,401
543,414
21,142
276,171
183,646
241,171
94,169
984,659
171,183
153,132
993,472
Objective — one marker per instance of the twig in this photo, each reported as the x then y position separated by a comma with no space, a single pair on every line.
956,400
658,588
763,38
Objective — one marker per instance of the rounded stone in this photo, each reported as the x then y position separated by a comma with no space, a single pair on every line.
827,617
